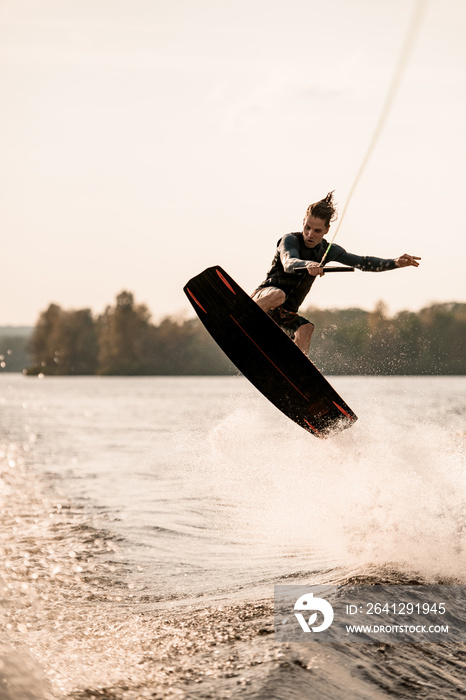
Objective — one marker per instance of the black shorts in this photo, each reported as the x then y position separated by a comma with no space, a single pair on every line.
288,320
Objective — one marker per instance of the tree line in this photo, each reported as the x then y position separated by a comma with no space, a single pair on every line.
124,341
121,341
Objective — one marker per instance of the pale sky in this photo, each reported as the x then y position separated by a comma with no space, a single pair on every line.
142,141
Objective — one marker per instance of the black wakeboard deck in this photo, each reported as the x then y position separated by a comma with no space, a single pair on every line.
266,356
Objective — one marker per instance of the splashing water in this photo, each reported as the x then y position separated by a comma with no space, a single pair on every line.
122,501
390,491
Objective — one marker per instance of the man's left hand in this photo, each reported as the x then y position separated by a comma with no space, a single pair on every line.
407,261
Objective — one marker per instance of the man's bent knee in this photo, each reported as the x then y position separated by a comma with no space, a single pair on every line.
269,298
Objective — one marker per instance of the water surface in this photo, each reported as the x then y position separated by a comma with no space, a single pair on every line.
128,497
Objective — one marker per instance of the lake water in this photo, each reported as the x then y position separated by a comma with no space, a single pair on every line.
126,502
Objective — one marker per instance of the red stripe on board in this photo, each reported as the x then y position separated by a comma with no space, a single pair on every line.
197,302
348,415
225,282
317,432
268,358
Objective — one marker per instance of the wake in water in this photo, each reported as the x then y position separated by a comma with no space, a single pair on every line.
380,494
86,615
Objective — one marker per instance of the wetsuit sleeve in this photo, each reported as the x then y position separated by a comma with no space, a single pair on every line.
288,250
362,262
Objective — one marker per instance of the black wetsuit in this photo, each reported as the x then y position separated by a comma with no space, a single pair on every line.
288,272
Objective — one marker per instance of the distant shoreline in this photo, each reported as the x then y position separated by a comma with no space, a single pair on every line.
123,341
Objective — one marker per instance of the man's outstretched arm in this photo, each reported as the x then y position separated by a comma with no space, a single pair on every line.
369,263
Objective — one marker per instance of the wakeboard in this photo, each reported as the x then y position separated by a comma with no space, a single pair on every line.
266,355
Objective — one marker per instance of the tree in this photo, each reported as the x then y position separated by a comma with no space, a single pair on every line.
64,342
44,341
186,348
124,334
77,352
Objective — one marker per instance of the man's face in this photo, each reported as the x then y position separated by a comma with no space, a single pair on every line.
314,230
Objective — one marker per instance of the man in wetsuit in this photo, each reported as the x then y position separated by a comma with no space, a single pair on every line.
296,265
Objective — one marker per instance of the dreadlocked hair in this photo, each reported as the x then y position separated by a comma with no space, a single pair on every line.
323,209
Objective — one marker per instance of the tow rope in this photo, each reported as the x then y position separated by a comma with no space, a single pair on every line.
400,68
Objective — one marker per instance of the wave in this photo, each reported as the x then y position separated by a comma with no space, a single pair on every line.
375,495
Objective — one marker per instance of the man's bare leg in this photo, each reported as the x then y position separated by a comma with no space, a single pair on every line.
303,336
270,299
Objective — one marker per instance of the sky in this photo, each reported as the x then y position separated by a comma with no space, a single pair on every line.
142,141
